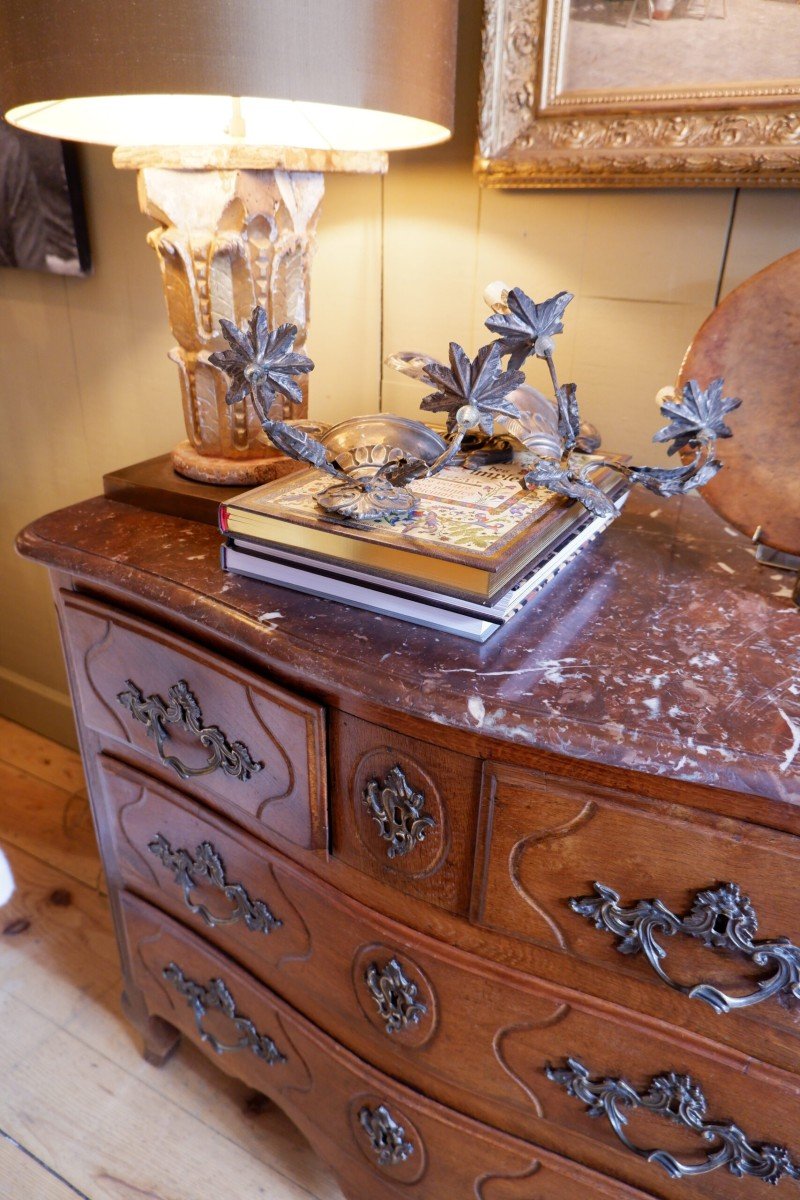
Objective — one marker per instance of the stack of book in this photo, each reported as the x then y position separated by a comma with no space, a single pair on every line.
476,550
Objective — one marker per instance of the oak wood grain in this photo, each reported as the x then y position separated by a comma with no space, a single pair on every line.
283,733
482,1024
602,744
124,1139
544,841
379,892
49,823
54,926
325,1089
59,1007
23,1174
435,869
37,755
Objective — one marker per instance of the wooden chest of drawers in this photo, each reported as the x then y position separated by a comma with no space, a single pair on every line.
516,922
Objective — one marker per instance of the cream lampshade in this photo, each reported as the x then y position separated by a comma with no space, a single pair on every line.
231,110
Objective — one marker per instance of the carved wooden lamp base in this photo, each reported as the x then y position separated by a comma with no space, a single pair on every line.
236,228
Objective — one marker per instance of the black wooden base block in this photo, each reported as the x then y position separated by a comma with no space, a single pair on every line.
156,486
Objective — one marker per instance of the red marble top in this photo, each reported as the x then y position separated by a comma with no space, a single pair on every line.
665,648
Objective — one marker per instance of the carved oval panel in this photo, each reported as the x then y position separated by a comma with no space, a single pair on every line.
400,818
395,995
387,1138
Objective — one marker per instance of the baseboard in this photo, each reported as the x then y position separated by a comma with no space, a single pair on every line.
37,707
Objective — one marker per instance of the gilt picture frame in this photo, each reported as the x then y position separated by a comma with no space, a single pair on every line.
611,93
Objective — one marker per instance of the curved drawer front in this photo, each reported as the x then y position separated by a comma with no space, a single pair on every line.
688,901
471,1034
379,1138
254,750
199,868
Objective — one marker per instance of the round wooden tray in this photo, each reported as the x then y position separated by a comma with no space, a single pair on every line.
753,341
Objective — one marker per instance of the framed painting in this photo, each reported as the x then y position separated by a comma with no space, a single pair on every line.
42,219
640,93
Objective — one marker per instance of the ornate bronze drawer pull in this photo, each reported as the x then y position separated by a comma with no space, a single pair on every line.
386,1137
395,996
216,996
721,919
207,864
397,811
231,757
680,1100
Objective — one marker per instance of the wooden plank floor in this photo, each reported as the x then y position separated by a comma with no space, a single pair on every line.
81,1113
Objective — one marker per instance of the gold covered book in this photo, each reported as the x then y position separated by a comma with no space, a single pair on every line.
472,534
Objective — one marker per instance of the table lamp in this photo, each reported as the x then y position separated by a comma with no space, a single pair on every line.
231,112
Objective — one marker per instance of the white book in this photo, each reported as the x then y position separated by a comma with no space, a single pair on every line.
329,587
